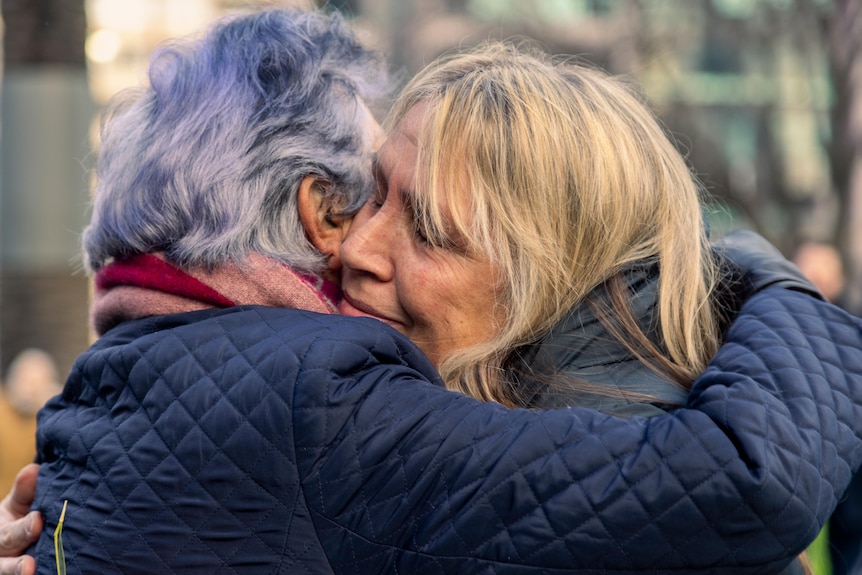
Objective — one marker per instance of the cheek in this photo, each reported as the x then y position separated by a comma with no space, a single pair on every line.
483,306
452,298
414,286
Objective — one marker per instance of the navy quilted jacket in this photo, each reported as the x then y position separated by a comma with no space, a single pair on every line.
262,440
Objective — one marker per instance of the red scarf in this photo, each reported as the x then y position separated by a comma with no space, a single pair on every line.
146,284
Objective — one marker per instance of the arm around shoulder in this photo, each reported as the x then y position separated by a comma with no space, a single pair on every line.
734,482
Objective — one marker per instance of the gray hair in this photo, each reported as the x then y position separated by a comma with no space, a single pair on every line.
205,162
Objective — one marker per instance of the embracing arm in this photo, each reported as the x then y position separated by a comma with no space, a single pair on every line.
739,481
401,474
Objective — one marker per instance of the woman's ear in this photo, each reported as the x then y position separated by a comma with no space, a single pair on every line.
323,226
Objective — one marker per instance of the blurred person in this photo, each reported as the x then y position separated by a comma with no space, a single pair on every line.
821,263
31,380
209,427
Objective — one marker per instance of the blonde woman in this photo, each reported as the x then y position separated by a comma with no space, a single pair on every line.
557,184
540,238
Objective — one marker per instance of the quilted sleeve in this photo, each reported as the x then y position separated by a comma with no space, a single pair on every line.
402,476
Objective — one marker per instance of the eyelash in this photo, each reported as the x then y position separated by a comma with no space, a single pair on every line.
419,233
418,228
378,195
378,198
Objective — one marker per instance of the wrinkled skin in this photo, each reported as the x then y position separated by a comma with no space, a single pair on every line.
19,527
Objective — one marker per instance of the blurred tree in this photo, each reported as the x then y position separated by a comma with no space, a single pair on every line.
749,93
845,58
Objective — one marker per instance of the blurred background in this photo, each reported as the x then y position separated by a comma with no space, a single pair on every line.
763,96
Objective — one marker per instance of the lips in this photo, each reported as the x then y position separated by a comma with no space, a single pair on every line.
353,308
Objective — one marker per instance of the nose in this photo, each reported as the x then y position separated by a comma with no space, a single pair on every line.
368,244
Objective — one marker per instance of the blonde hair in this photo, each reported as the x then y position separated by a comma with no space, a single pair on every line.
562,176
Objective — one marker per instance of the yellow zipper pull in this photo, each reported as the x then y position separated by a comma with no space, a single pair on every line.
58,542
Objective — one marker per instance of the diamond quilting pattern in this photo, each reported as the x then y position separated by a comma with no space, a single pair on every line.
680,491
256,440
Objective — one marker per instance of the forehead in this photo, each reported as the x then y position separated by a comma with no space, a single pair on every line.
437,197
397,157
376,136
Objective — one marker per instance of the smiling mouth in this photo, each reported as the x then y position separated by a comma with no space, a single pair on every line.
354,309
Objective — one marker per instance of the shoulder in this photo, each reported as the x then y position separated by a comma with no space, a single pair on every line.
272,346
342,345
247,326
751,264
791,343
801,320
328,359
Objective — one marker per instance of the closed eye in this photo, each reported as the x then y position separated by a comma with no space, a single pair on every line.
380,191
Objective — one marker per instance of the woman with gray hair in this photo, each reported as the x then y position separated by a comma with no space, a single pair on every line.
204,167
226,421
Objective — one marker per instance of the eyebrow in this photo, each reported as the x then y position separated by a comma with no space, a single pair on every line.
451,238
406,196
